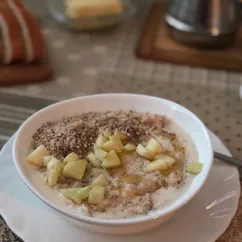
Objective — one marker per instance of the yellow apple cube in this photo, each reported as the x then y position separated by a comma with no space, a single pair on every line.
72,194
195,167
46,160
94,160
36,157
119,135
101,180
75,169
163,163
77,195
53,172
129,147
112,160
107,133
101,140
154,146
71,157
99,153
54,162
143,152
113,144
52,177
96,195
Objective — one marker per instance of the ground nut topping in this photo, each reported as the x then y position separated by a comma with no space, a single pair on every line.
132,187
77,134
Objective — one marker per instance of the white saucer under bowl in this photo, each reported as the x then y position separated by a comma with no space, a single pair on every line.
204,219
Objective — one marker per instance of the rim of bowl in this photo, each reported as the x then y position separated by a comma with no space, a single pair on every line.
113,222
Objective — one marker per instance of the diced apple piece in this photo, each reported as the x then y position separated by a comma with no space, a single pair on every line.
36,157
75,169
53,172
54,162
163,157
71,194
129,147
96,195
142,151
119,135
195,168
113,144
52,177
77,195
131,179
166,143
46,159
99,153
84,192
94,160
101,140
112,160
71,157
107,133
163,163
157,157
114,138
154,146
101,180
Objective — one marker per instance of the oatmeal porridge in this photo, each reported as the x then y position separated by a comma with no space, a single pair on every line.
115,164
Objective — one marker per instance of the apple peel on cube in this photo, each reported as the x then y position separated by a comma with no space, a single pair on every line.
99,153
77,195
94,160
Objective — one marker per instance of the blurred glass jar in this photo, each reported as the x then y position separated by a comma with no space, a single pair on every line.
57,11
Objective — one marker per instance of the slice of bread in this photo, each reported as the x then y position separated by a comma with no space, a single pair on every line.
92,8
33,39
12,47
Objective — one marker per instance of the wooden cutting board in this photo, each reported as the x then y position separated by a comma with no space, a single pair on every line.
155,43
16,74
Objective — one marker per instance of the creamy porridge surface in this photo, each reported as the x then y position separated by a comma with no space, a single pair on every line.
152,152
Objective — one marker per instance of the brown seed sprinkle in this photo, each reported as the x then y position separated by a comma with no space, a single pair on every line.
78,133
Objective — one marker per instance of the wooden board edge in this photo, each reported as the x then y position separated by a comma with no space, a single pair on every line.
191,60
149,32
25,74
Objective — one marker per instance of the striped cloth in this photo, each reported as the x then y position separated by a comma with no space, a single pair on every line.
15,108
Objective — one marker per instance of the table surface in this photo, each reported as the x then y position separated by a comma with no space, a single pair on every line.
102,62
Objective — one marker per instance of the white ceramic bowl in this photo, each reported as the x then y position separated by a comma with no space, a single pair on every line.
187,120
